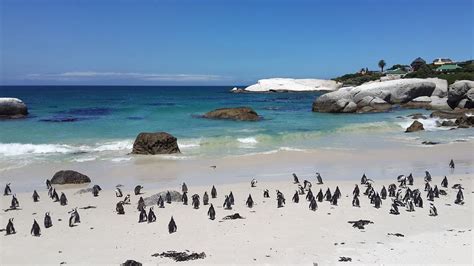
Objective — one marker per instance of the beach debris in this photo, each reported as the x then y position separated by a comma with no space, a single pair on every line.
396,234
345,259
233,217
181,256
88,207
131,263
360,224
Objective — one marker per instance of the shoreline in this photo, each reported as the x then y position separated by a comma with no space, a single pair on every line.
288,235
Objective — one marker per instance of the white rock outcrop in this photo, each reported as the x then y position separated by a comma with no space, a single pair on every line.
297,85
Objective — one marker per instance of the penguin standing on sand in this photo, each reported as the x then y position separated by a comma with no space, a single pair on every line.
249,201
383,193
451,164
184,198
74,218
151,215
337,192
35,196
253,183
168,197
211,212
138,190
55,196
161,202
95,190
309,196
301,189
48,222
296,197
195,201
307,185
459,197
48,184
320,196
227,204
410,179
231,198
363,180
444,183
118,192
126,200
355,201
328,195
280,199
313,205
394,209
172,226
213,192
63,199
410,206
356,191
266,193
14,203
142,217
433,210
141,204
205,199
184,188
10,228
119,208
334,200
7,191
319,178
35,229
427,176
377,201
295,179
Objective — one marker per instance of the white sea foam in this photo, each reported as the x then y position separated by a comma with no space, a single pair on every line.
121,159
248,140
84,159
429,124
189,144
114,146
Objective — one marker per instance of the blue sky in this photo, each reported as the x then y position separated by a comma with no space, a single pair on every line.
221,42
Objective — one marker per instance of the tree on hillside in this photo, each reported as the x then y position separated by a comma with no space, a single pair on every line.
381,64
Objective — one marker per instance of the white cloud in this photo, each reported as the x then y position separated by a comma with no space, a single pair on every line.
92,75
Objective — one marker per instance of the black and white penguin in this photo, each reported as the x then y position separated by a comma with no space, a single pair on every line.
35,196
35,229
151,215
184,188
195,201
63,199
138,190
168,197
48,222
253,183
205,199
249,201
118,192
444,183
184,198
161,202
211,212
356,191
451,164
172,226
433,210
14,203
10,228
295,179
319,178
141,204
213,192
95,190
313,205
296,197
119,208
355,201
7,191
266,193
143,216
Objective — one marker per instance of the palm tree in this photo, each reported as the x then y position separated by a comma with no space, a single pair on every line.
381,64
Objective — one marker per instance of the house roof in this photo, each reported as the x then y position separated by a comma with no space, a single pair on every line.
447,67
397,71
419,60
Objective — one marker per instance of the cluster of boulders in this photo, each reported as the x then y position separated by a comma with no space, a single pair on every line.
457,118
12,108
461,94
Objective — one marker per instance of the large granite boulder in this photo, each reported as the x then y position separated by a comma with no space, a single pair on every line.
69,177
155,143
11,108
415,126
153,199
373,97
460,90
441,89
237,113
430,103
292,85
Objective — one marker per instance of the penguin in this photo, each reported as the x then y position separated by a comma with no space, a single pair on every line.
334,200
427,176
433,210
444,183
48,222
410,179
355,201
391,190
35,196
126,200
195,201
205,199
451,164
249,202
213,192
161,202
50,192
307,185
253,183
420,201
35,229
142,217
427,186
77,218
151,215
309,195
231,198
403,181
459,197
119,208
383,193
118,192
295,179
184,188
368,189
356,191
74,218
8,190
410,207
436,191
10,228
337,192
320,196
328,195
296,197
141,204
55,196
227,204
184,198
377,201
138,190
408,195
266,193
211,212
394,209
280,199
168,197
363,180
301,189
430,195
15,203
172,226
319,178
48,184
63,199
95,190
313,205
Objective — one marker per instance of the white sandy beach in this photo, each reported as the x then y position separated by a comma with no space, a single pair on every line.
289,235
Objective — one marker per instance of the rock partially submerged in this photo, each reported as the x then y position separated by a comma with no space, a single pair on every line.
12,108
415,126
155,143
181,256
291,85
430,103
153,199
461,94
69,177
237,113
373,97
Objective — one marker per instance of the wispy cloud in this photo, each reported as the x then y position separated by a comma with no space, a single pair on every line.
92,75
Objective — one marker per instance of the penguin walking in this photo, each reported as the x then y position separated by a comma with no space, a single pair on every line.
319,178
151,215
213,192
142,217
295,179
7,191
35,229
48,222
35,196
249,201
356,191
172,226
451,164
296,197
10,228
211,212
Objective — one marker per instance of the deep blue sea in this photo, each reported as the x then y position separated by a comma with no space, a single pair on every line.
90,122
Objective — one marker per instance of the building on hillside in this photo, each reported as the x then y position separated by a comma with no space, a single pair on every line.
442,61
447,68
417,63
396,73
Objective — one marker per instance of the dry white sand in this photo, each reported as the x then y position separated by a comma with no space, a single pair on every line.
268,235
